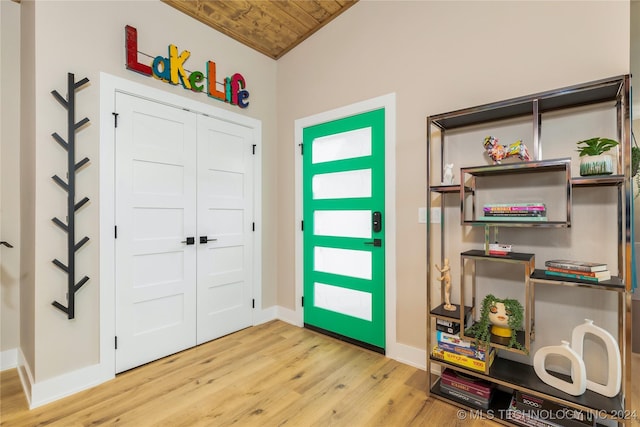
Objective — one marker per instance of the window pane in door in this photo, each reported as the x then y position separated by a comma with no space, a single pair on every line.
342,223
343,300
344,145
341,185
345,262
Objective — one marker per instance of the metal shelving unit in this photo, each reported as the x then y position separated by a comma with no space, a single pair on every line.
511,375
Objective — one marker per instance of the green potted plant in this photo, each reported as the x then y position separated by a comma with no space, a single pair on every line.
500,318
594,156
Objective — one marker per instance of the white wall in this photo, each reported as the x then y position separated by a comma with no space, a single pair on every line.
437,57
87,38
10,182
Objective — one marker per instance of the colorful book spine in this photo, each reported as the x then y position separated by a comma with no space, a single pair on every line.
599,274
464,397
512,218
479,388
464,361
574,276
575,265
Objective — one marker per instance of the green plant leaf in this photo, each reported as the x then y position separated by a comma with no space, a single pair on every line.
595,146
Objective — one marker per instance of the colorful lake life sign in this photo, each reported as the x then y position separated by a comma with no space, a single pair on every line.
171,69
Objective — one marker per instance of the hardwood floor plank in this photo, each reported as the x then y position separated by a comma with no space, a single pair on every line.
273,374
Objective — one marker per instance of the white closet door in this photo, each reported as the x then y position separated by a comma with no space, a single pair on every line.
155,212
225,236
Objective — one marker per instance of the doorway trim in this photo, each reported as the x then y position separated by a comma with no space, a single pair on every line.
388,102
109,85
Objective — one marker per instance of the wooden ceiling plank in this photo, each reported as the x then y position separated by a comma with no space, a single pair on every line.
281,14
272,27
255,24
294,9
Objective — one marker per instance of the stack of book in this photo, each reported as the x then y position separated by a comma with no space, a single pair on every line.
451,326
466,389
455,350
529,410
533,211
580,270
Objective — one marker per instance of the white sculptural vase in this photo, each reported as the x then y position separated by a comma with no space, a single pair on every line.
614,377
578,384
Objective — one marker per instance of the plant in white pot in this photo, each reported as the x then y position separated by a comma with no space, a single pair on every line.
594,156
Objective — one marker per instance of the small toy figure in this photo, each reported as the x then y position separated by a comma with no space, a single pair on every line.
447,177
498,152
446,278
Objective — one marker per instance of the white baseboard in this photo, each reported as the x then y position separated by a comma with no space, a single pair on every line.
8,359
265,315
408,355
289,316
47,391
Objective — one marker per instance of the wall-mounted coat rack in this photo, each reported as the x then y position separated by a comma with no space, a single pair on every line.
70,187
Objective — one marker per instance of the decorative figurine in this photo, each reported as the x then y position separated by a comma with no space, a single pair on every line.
500,319
447,177
446,278
498,152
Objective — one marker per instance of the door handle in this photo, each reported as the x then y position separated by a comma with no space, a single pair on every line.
376,221
205,239
376,242
189,241
7,244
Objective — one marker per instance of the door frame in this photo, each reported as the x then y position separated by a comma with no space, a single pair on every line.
388,102
109,85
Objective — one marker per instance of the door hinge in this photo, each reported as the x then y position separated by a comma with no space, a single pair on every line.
253,226
301,225
253,303
115,232
254,149
302,301
301,148
116,342
115,119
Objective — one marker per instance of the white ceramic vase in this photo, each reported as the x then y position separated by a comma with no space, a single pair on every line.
614,377
578,384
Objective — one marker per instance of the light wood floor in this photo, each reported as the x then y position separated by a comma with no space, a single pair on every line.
270,375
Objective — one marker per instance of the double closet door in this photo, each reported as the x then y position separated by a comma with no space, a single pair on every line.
184,229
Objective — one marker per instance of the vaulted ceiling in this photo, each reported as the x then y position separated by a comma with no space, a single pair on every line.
272,27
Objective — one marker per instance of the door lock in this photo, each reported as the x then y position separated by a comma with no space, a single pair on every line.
189,241
205,239
376,242
376,222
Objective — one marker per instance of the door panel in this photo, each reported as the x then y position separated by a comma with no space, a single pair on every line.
155,211
225,212
343,185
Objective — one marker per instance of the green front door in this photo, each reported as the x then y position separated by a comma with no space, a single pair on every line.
343,213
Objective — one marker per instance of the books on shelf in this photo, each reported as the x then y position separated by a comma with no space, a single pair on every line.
586,277
451,326
566,264
476,387
535,209
457,345
599,274
499,249
462,360
538,407
523,218
463,397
